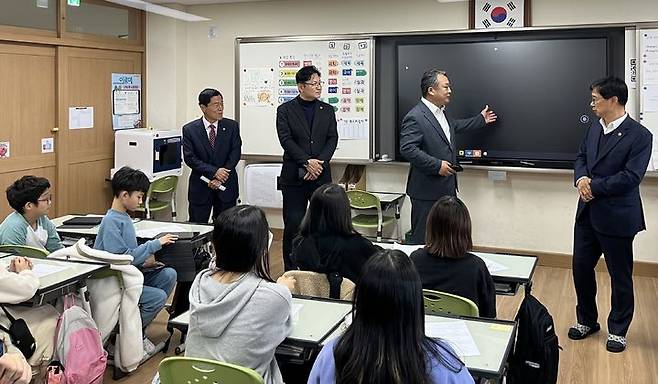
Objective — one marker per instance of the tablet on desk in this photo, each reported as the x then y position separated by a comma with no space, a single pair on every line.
181,235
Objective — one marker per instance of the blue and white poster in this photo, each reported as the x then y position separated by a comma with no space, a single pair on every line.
126,100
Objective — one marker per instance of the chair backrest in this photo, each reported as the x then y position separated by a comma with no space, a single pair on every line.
445,303
108,273
363,200
177,370
317,285
163,184
24,250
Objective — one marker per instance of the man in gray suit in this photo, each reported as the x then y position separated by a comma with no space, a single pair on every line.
427,141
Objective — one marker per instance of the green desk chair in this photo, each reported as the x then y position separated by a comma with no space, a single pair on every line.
176,370
362,200
24,250
445,303
160,186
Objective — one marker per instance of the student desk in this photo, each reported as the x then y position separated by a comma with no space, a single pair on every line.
64,277
508,271
313,320
494,340
179,255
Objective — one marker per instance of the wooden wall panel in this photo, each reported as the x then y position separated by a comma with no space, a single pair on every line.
7,178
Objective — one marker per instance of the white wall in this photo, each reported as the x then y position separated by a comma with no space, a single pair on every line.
527,211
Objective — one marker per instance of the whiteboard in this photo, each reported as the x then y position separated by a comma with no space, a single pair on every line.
266,79
648,80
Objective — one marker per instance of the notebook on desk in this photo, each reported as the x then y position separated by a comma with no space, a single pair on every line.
83,221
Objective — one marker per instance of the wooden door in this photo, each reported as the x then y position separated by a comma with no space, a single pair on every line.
86,156
27,115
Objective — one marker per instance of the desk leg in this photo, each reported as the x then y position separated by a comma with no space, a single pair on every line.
397,221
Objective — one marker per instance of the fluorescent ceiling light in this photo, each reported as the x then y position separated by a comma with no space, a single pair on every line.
160,10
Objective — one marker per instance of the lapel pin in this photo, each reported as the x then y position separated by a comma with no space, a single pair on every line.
223,129
320,107
618,133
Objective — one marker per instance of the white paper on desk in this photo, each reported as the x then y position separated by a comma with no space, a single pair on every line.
166,228
493,266
41,270
408,249
456,334
294,311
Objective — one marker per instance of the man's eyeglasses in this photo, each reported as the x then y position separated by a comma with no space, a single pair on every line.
315,84
48,198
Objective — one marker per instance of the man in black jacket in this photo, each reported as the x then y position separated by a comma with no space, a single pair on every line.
307,132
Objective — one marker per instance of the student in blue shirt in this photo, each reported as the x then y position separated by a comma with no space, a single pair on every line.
31,199
117,235
386,341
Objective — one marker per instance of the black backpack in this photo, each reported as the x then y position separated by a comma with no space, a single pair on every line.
536,354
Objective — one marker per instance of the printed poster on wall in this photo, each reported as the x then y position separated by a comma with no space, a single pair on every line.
126,91
346,83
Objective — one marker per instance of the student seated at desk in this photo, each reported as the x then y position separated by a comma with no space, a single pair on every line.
445,263
19,283
116,234
327,241
30,198
238,314
386,341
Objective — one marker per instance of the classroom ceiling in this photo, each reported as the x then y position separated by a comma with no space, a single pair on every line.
197,2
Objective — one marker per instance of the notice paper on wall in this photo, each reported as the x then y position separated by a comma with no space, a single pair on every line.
455,332
81,117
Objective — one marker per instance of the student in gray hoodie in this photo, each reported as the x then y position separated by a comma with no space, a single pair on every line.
238,314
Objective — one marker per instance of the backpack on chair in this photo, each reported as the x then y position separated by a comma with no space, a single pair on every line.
536,354
78,345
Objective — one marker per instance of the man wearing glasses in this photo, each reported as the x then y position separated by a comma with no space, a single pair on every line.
307,132
609,167
31,199
211,148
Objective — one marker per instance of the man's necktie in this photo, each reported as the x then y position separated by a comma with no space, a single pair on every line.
212,136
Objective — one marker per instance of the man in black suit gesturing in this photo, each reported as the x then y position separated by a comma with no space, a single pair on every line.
307,132
427,141
211,147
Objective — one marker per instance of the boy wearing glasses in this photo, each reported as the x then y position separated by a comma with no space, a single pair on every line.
30,197
307,132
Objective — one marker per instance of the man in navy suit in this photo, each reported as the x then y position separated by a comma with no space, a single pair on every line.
427,141
211,147
610,165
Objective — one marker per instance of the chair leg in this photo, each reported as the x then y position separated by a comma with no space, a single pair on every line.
379,236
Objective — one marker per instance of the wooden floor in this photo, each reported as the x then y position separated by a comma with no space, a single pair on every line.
584,361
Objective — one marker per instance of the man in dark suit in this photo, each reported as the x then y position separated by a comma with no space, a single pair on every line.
211,147
307,132
427,141
610,165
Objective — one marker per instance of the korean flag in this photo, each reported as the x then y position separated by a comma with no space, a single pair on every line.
499,14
